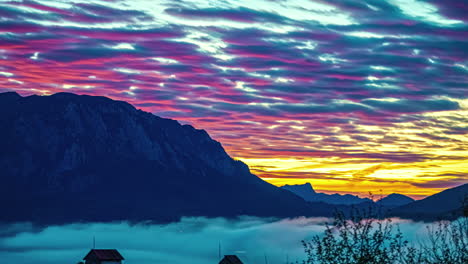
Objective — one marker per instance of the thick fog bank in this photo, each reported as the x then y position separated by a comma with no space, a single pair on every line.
194,239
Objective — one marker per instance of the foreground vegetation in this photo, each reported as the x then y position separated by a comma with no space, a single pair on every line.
364,239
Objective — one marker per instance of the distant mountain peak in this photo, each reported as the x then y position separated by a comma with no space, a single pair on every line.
307,192
65,94
12,93
305,188
397,195
395,199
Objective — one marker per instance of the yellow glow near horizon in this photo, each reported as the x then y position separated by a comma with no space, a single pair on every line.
383,178
421,156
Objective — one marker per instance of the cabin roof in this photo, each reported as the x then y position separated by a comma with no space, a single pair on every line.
104,254
230,259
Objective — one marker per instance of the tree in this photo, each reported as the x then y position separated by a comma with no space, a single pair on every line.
362,239
366,239
447,243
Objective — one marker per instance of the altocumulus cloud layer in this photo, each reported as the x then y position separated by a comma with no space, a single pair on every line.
196,239
301,90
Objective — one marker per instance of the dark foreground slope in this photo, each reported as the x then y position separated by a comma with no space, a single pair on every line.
67,158
448,204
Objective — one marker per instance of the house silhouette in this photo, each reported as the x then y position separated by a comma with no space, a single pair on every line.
103,256
230,259
112,256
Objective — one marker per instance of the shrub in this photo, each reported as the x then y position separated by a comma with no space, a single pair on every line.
366,239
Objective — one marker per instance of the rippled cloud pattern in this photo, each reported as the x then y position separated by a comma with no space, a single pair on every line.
302,91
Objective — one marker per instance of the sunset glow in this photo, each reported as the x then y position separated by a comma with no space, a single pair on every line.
351,96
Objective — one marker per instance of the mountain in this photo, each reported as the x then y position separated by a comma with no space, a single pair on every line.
448,204
395,200
303,190
69,157
307,192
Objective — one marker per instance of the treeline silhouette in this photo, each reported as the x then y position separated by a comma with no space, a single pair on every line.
364,238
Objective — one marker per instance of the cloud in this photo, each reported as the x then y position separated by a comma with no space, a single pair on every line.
453,180
196,239
411,106
360,175
242,14
369,80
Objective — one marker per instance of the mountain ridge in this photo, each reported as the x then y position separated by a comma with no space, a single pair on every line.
80,158
70,157
394,200
307,192
447,204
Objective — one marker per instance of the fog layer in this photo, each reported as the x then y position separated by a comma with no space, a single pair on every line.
194,239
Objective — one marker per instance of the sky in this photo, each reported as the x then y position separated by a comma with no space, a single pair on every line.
196,238
351,96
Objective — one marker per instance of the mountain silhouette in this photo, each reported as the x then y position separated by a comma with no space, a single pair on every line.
307,192
69,157
448,204
395,200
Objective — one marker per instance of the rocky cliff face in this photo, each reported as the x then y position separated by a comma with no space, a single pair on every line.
66,131
67,157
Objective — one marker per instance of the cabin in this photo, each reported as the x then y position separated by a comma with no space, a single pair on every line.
103,256
231,259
